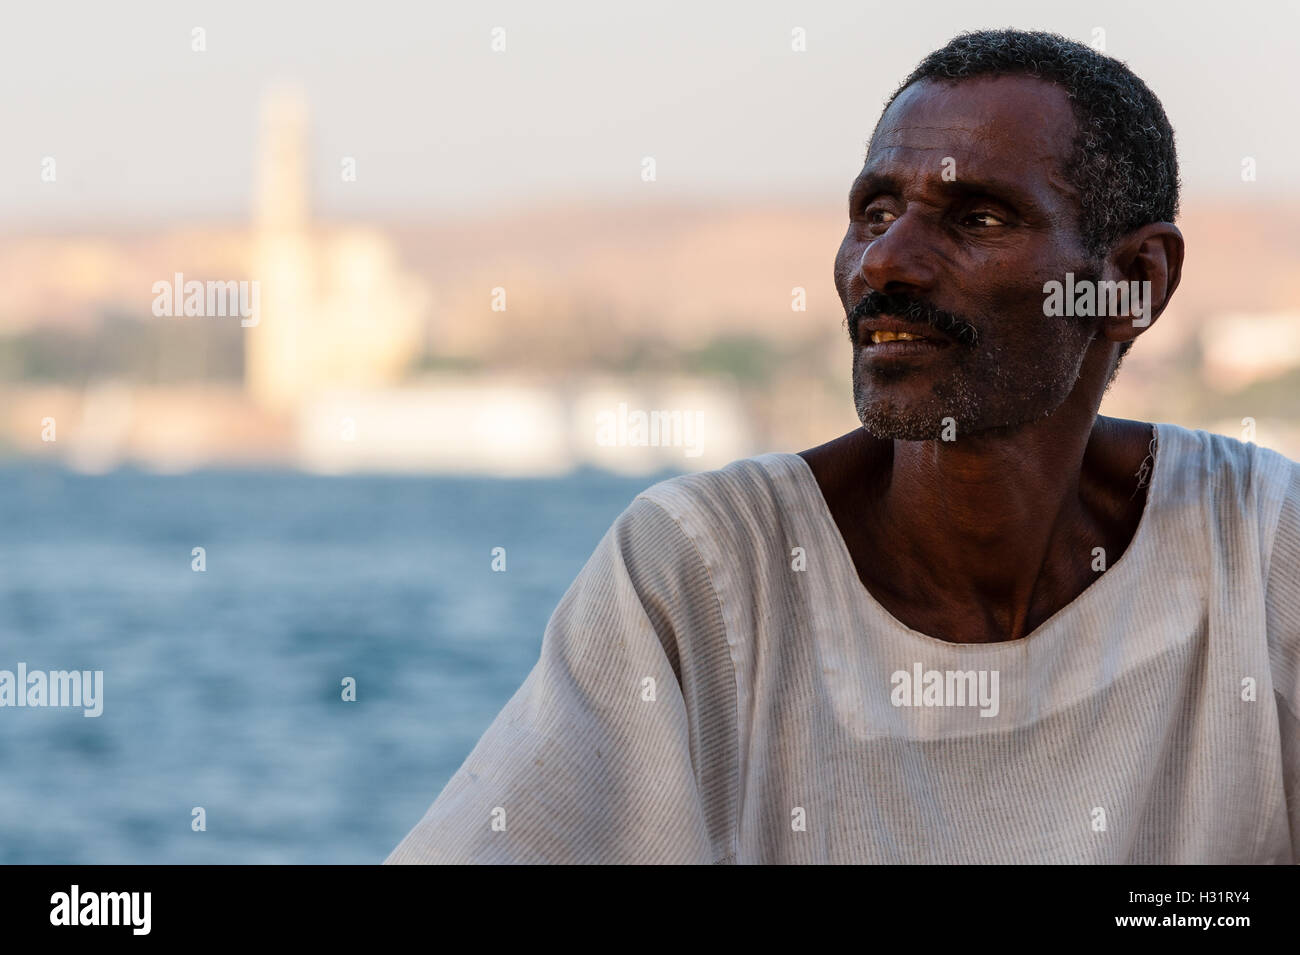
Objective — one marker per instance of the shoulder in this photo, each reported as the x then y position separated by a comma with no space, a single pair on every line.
1239,494
746,495
685,528
1208,452
727,525
1224,472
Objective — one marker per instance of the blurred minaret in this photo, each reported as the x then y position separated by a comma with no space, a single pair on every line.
278,350
282,202
337,310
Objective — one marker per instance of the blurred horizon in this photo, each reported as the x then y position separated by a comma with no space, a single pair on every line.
444,114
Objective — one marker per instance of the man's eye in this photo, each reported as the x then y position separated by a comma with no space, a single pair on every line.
879,216
984,220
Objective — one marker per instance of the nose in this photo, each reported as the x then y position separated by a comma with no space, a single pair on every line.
902,259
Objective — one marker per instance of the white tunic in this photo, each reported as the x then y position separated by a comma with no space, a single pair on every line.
704,695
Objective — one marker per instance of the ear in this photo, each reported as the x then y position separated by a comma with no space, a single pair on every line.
1151,254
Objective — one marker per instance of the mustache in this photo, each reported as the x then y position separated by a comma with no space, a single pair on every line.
912,310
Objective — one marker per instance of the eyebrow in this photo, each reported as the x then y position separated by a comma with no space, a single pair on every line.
963,186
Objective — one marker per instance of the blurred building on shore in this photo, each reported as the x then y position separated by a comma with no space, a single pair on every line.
337,308
504,343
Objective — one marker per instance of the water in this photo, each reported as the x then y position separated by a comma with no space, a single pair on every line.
223,688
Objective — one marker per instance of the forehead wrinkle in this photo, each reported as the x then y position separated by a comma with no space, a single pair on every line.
888,139
981,126
883,152
973,163
946,129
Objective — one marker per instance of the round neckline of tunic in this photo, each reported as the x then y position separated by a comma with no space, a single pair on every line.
1139,542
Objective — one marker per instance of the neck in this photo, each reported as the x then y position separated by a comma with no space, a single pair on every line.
996,531
981,514
984,538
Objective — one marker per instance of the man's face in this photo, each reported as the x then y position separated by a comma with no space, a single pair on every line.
960,215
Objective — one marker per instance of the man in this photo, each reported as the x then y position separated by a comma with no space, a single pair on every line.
988,627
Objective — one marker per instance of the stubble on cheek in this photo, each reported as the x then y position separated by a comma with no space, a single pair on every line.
950,399
1001,383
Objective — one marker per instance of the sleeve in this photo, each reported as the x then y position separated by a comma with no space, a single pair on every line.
598,758
1282,598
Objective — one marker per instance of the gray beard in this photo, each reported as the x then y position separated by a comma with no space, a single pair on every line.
964,398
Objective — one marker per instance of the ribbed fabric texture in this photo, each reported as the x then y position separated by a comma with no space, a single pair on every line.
1152,720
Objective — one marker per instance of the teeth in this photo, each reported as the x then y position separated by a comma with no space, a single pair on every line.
878,337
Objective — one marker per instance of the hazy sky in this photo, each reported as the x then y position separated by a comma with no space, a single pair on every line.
143,129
